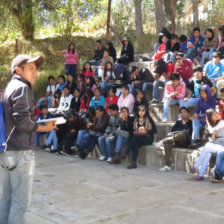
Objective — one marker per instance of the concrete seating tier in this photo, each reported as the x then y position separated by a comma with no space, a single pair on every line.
156,111
183,159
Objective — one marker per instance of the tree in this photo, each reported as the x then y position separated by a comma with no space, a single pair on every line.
160,14
195,13
23,11
173,17
138,18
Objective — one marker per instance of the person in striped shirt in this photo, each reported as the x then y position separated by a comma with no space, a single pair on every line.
175,91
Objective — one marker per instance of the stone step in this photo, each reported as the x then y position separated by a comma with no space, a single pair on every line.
162,130
183,159
156,112
147,55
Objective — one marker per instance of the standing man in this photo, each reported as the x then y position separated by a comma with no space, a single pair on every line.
18,160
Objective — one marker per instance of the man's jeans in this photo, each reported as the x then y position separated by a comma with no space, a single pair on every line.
192,102
18,171
167,104
41,102
205,156
52,139
80,141
197,126
219,169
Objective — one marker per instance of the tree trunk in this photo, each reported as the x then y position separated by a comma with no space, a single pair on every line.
138,18
195,13
160,15
24,13
173,17
108,20
168,9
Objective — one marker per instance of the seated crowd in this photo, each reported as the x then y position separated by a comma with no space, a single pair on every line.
106,106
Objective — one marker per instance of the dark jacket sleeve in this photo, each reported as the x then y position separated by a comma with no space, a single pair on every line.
21,111
102,125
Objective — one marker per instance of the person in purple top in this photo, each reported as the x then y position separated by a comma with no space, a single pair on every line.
205,102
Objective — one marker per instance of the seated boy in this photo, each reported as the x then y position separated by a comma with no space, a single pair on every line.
193,88
175,91
180,136
43,115
105,141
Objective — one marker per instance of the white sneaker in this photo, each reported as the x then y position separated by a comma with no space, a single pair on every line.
109,160
102,158
47,149
159,144
164,120
165,169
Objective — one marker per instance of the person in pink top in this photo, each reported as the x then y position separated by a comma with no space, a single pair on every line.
126,99
87,70
71,59
184,67
175,91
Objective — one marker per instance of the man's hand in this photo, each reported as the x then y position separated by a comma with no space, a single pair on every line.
46,128
174,94
106,136
186,99
89,125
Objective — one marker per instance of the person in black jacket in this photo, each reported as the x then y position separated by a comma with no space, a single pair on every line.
144,129
127,52
112,50
76,101
123,134
140,100
73,126
18,159
180,136
98,128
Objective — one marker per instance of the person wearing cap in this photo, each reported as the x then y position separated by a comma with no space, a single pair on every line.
184,67
214,69
18,160
193,88
127,52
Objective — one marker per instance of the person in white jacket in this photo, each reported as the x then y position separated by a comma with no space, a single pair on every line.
65,100
215,144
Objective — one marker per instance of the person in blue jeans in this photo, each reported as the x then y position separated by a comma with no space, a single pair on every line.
193,87
123,134
98,128
219,169
89,119
106,141
18,159
43,115
51,140
194,44
215,144
205,102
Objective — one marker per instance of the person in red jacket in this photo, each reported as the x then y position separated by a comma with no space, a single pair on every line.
221,104
111,99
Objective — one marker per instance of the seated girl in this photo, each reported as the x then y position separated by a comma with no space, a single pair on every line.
98,99
215,144
90,83
144,129
87,70
85,101
76,101
111,99
108,76
205,102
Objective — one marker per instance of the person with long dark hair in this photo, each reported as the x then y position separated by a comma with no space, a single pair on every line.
210,44
144,129
91,83
216,142
112,50
127,52
108,76
71,83
71,59
85,100
87,70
